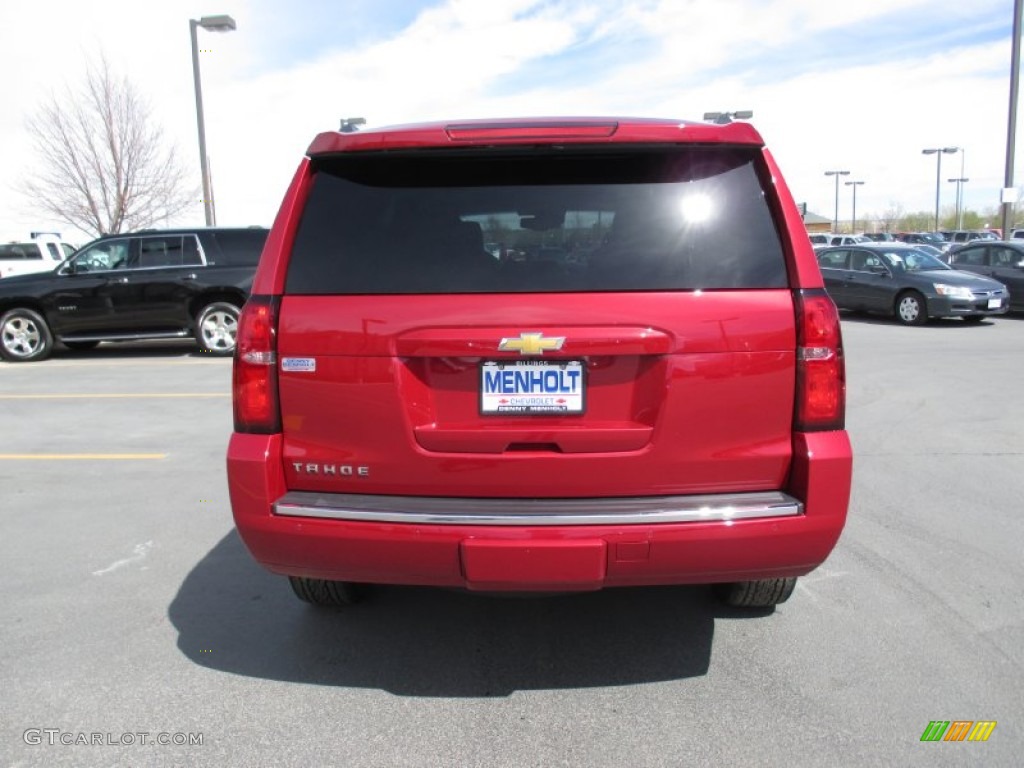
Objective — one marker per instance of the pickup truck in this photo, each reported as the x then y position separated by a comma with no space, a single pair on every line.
42,253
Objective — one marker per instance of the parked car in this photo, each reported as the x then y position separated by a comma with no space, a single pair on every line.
831,238
967,235
848,239
880,237
1002,261
926,238
410,410
938,253
144,285
908,284
42,253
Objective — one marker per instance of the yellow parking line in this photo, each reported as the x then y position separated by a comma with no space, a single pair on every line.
81,456
115,396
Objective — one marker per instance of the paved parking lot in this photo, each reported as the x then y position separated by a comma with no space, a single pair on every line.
132,614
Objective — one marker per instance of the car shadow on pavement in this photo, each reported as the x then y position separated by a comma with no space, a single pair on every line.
127,350
233,616
865,318
868,318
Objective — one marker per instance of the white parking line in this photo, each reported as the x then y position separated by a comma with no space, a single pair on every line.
141,550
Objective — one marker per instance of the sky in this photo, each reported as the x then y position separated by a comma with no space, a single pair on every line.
861,86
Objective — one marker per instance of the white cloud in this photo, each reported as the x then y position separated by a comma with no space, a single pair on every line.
457,59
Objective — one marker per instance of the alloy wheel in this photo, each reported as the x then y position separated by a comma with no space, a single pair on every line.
21,336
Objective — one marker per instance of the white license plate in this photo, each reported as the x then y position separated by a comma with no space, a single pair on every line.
995,303
532,387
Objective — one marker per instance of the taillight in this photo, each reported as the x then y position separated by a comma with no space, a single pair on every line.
820,369
255,370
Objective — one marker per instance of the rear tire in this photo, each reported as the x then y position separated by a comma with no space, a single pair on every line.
24,336
324,593
763,593
911,308
217,328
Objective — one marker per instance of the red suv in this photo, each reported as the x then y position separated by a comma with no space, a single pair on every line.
639,380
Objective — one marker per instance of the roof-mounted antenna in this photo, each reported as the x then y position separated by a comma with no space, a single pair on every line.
351,124
724,118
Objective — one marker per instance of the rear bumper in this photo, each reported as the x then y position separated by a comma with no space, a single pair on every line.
541,545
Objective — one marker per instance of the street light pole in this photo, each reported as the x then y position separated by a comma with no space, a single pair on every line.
938,152
213,24
853,220
959,200
835,218
1011,131
960,192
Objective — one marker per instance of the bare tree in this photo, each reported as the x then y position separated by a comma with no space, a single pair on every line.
889,218
105,165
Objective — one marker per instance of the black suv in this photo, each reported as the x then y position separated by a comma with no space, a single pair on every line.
144,285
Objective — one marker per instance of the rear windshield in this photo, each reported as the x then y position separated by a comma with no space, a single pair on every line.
19,251
543,220
237,248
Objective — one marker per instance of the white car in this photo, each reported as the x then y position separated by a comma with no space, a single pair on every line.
821,239
849,240
43,253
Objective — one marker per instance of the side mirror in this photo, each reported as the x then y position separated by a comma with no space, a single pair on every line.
879,270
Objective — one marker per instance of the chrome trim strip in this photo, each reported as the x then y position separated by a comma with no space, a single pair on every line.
126,336
458,511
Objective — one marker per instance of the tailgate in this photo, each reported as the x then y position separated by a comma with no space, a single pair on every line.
658,393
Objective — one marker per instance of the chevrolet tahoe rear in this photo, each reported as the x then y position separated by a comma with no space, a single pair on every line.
540,355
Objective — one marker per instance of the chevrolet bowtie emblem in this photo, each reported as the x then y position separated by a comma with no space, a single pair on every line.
531,344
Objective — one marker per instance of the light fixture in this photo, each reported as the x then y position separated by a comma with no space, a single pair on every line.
220,23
